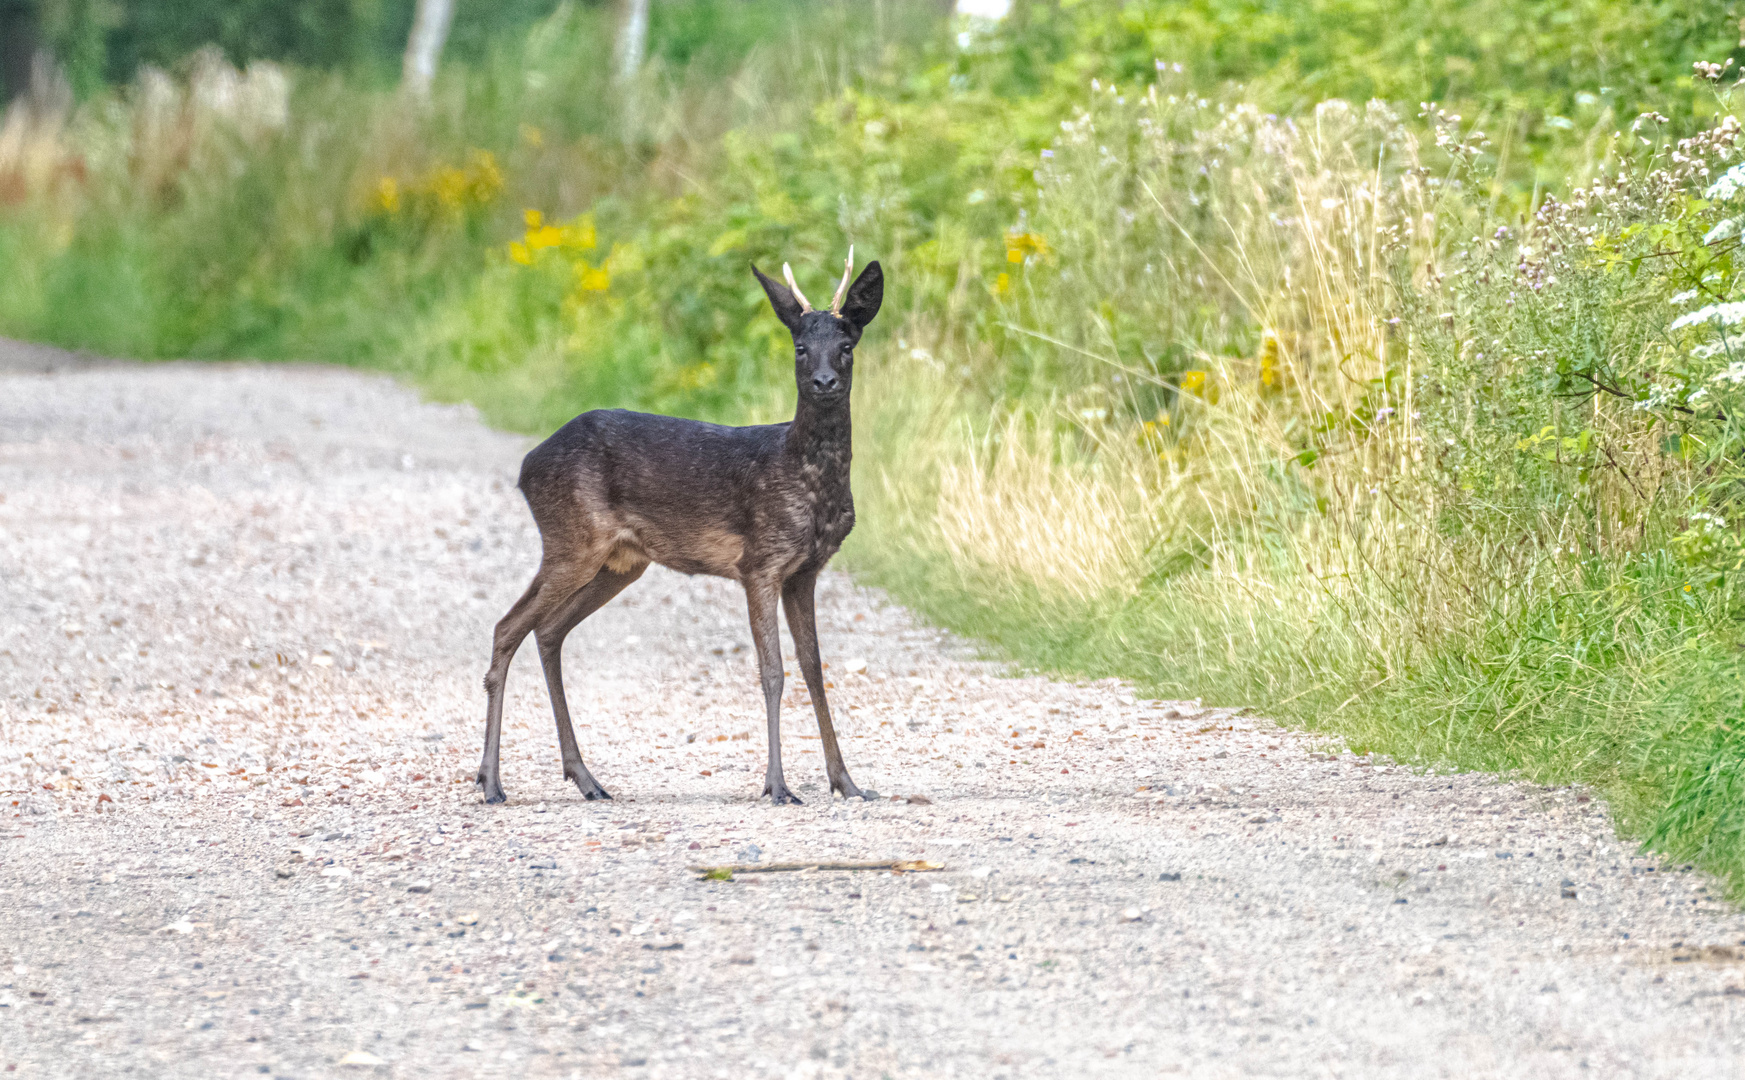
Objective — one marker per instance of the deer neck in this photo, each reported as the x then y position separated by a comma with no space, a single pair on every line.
822,439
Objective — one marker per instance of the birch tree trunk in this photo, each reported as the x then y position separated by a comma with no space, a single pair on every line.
430,25
632,39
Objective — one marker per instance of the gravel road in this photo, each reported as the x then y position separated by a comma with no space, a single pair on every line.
244,612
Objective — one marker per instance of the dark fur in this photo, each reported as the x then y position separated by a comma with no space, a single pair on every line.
767,506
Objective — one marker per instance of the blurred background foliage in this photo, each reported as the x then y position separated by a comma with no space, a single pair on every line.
102,43
758,127
1368,361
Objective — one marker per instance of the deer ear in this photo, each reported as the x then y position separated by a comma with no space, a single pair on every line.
782,299
864,297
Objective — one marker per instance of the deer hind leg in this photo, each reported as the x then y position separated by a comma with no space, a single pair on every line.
511,630
803,624
550,634
766,636
550,588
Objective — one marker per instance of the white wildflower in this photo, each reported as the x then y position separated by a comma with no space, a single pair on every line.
1659,397
1733,373
1724,230
1730,184
1685,297
1725,314
1732,344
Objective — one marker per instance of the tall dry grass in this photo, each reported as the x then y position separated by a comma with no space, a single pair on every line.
1297,471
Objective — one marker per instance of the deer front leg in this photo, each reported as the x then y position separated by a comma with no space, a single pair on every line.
803,624
760,599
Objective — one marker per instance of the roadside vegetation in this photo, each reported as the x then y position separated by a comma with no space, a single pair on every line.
1388,382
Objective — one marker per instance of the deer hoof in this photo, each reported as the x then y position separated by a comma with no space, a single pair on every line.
781,796
491,786
588,786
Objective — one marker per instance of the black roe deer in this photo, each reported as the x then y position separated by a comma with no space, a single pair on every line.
767,506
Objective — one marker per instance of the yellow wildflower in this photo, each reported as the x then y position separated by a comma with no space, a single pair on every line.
1270,375
1193,382
592,279
1021,245
578,235
485,179
388,195
1003,284
546,236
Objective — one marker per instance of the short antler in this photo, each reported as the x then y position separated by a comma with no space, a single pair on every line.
788,272
842,289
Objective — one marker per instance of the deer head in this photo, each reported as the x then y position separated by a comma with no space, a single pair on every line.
824,340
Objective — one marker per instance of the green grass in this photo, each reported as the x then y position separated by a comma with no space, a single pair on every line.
1644,706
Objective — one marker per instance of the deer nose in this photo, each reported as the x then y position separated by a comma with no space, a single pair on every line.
826,382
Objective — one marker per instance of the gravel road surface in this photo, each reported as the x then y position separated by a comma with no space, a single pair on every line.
244,613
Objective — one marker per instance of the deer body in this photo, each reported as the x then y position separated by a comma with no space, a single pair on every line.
697,498
767,506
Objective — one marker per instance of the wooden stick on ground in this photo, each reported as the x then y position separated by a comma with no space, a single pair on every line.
900,866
